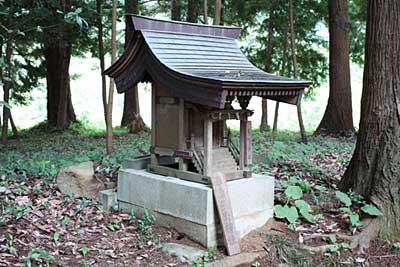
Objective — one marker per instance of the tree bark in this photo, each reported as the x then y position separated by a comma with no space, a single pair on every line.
338,117
57,53
99,4
111,89
296,74
217,12
176,10
131,113
267,68
193,11
205,11
283,70
374,170
7,73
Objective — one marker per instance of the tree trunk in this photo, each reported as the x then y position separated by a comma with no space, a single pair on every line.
176,10
99,4
57,53
193,11
111,89
374,170
283,70
217,12
296,74
131,113
338,117
7,73
205,11
268,57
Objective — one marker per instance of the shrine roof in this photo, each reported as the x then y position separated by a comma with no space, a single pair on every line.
195,61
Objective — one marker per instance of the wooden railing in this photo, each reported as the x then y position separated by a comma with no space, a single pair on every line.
233,148
198,160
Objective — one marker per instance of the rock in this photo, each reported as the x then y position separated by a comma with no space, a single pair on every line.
79,180
232,261
185,254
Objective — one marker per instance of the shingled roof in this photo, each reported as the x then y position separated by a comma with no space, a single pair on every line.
200,63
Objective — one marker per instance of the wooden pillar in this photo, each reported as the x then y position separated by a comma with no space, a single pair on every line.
242,155
154,157
246,157
208,145
181,133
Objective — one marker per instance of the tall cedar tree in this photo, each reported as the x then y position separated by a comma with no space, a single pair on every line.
57,54
374,170
131,113
193,11
217,12
176,10
205,11
268,60
338,117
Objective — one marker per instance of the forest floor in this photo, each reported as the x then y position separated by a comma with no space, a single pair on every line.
39,226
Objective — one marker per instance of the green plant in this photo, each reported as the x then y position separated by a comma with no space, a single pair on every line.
114,225
146,231
294,205
209,256
84,250
10,243
256,264
396,245
40,257
348,200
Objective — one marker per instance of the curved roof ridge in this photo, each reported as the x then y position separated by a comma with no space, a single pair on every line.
142,23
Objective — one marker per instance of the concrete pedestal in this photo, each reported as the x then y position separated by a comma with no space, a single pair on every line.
189,208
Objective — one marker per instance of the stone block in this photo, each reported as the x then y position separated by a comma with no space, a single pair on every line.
107,199
189,207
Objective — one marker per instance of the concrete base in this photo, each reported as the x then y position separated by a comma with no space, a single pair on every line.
189,207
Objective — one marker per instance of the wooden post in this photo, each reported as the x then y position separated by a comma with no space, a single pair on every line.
208,145
154,158
242,156
181,132
249,151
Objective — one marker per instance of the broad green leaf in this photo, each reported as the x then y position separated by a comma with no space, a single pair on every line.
56,236
371,210
306,215
320,188
344,198
354,219
84,249
302,205
332,239
280,211
292,214
293,192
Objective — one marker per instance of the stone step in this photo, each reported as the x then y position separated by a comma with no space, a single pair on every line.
231,165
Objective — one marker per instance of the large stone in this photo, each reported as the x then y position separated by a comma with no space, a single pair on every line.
182,252
79,181
189,207
245,259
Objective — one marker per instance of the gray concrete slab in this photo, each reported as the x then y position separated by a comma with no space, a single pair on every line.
189,207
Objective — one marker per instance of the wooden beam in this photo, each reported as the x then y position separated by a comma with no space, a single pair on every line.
181,133
224,207
248,148
208,145
154,157
184,175
242,155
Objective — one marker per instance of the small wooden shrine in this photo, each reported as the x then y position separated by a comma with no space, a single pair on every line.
196,72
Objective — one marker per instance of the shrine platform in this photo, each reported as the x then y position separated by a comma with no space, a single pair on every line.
189,208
